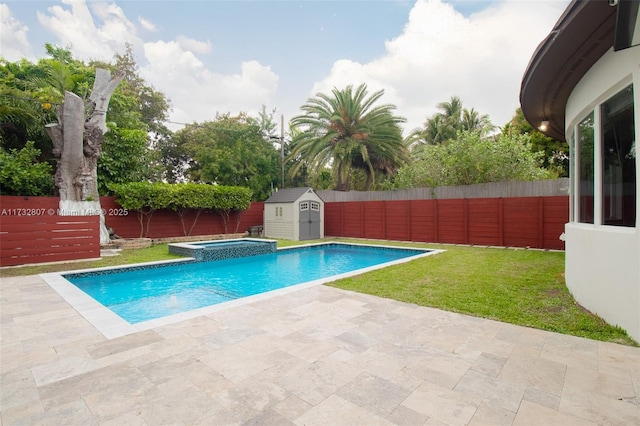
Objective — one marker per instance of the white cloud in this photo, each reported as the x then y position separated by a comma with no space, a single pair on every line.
195,46
197,93
76,27
172,67
147,25
13,34
441,53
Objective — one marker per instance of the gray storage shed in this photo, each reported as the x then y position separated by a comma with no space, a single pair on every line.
294,214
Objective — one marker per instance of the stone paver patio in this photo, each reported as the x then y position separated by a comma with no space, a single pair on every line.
317,356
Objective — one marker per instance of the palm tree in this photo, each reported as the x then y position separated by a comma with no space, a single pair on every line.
451,119
445,124
346,131
474,122
452,111
437,130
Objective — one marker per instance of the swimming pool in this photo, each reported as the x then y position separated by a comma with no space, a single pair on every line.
144,296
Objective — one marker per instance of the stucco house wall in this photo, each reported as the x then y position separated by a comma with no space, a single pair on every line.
603,262
580,86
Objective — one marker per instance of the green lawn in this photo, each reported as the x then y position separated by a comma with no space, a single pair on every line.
150,254
524,287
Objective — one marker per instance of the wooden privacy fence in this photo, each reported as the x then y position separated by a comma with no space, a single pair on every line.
535,222
48,238
163,224
536,188
166,223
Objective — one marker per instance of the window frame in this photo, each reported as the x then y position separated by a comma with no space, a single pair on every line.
573,137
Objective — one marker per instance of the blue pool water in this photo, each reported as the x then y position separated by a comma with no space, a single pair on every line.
138,295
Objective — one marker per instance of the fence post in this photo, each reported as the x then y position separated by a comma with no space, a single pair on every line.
501,221
384,219
361,220
407,219
436,225
541,222
410,214
465,218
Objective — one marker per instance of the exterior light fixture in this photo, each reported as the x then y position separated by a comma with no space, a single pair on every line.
544,126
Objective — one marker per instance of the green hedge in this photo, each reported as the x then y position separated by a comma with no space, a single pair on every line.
145,198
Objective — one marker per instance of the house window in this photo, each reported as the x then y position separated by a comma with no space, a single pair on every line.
585,169
278,211
315,206
618,160
304,206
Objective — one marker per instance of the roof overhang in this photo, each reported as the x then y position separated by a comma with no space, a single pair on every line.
584,32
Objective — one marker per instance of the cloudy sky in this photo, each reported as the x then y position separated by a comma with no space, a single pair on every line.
212,56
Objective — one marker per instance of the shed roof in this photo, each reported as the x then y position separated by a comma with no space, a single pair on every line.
288,195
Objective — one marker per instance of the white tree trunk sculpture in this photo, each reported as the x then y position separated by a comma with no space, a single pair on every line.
77,141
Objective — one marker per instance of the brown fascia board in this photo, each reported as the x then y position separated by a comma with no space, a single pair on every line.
581,36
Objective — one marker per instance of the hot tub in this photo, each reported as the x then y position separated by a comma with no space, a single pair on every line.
203,251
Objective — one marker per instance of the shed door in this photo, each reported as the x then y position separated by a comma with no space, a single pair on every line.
309,220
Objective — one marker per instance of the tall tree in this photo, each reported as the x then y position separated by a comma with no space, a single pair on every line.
347,131
152,106
266,122
555,153
451,119
471,159
230,151
28,101
138,109
473,121
32,92
452,110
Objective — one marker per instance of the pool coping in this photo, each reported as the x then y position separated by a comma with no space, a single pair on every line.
198,244
208,250
111,326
